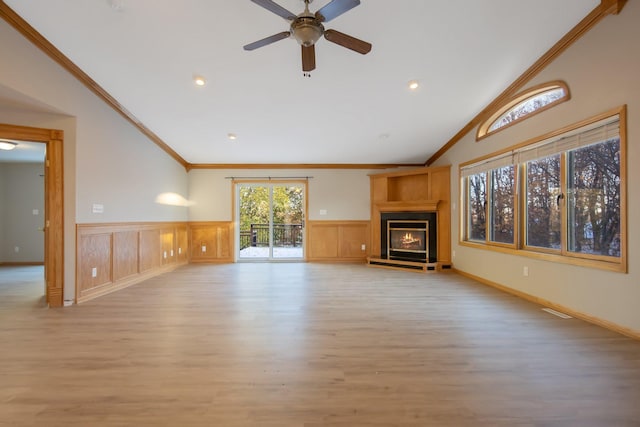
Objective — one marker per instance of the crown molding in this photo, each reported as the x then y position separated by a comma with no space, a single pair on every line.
605,8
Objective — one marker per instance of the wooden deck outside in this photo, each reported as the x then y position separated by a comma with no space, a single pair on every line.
306,345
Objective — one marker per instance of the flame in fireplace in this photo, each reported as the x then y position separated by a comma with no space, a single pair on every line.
408,239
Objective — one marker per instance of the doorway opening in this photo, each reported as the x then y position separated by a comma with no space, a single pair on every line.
22,219
270,220
53,226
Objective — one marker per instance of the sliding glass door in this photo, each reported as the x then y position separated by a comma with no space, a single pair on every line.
270,220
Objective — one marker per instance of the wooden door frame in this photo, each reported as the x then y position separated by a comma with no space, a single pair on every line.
53,204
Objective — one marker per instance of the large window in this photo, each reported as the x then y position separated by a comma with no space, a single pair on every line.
477,202
559,195
542,208
502,205
593,199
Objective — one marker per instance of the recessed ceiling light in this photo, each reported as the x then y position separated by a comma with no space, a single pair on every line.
199,81
414,84
232,136
116,5
5,144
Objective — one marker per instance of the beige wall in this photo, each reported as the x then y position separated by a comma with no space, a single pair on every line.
602,72
106,160
21,212
343,194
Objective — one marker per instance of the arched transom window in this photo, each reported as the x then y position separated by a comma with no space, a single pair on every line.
524,105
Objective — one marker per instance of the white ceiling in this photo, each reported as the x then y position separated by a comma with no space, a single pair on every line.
353,108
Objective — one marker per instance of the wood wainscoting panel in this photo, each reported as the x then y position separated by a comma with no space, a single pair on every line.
167,238
338,240
323,240
182,243
94,268
150,249
211,241
351,239
124,254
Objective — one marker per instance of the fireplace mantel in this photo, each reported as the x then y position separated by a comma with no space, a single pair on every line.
412,206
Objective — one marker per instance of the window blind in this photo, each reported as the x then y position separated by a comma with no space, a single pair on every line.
593,133
487,165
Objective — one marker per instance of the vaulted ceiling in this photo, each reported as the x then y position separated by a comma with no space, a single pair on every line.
353,109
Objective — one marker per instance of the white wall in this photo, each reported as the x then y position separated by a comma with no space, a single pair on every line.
343,193
106,159
602,72
21,196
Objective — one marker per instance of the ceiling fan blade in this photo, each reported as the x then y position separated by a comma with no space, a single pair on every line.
276,8
347,41
267,40
335,9
308,58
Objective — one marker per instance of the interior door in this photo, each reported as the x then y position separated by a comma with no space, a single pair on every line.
270,218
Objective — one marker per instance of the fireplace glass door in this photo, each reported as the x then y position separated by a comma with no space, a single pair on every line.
407,240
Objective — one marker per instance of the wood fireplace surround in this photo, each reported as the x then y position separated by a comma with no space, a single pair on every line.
407,194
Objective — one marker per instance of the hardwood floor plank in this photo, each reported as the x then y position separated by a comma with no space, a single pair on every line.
306,345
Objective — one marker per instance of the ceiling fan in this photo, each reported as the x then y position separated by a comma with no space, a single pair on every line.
307,29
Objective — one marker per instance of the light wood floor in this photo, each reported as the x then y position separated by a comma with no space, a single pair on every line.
306,344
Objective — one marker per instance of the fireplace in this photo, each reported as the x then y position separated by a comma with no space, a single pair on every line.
407,240
408,236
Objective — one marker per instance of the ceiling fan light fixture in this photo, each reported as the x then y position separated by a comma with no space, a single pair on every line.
199,81
307,30
7,145
414,84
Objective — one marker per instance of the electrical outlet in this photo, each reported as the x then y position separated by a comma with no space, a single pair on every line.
453,253
164,254
204,248
171,253
16,249
525,271
363,247
94,272
179,251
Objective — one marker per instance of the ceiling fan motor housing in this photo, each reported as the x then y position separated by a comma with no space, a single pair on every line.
306,30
